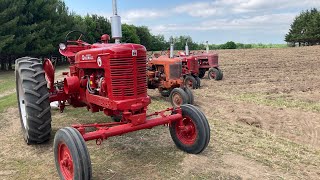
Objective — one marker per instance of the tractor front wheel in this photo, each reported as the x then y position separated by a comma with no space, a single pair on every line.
215,73
192,133
190,82
33,100
178,97
71,155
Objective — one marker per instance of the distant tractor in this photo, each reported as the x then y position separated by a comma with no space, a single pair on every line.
190,68
164,73
102,77
209,62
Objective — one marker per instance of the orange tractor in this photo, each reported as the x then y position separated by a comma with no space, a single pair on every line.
164,73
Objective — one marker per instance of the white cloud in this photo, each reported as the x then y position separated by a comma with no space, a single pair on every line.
134,15
263,5
200,9
271,22
230,7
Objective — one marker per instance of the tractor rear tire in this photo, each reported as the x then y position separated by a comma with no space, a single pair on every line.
190,95
71,155
192,135
178,97
202,72
190,82
33,100
198,82
215,73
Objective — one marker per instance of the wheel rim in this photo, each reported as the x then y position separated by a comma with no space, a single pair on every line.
177,99
22,104
190,83
65,161
186,131
212,74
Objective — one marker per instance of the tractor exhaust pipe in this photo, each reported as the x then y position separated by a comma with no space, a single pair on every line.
207,47
187,48
171,48
116,23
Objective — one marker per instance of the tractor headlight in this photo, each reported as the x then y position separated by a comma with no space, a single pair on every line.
62,46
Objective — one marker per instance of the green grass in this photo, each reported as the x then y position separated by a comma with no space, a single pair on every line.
279,101
260,45
7,81
7,101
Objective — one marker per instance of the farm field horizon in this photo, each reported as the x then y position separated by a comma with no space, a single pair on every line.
264,118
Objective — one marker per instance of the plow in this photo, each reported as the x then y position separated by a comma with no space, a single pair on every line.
103,77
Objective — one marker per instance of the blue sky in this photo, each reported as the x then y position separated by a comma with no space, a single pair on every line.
218,21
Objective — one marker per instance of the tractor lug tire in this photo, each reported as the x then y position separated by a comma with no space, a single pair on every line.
33,100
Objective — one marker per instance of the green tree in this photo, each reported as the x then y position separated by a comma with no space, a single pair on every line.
229,45
305,28
129,34
145,36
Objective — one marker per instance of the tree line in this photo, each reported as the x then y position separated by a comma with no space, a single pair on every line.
305,29
36,27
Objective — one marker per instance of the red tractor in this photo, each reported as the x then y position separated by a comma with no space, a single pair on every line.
103,77
209,62
190,68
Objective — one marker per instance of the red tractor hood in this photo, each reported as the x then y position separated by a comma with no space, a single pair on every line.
113,50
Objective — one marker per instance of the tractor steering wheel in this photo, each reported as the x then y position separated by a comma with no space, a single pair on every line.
79,41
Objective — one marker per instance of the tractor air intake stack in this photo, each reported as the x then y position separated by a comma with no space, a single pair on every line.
171,48
116,24
207,47
187,48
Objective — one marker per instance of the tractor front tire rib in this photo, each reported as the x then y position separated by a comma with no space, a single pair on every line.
71,155
33,100
190,95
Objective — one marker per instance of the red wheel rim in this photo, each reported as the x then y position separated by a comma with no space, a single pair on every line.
212,74
177,99
186,131
190,83
65,161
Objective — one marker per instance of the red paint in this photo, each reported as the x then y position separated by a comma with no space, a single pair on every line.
65,161
49,72
186,131
117,86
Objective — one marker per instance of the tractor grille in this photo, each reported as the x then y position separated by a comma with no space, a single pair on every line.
175,70
128,77
193,65
213,60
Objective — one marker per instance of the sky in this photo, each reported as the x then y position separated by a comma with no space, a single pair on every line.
216,21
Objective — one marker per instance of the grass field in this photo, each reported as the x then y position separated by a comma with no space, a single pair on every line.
264,118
